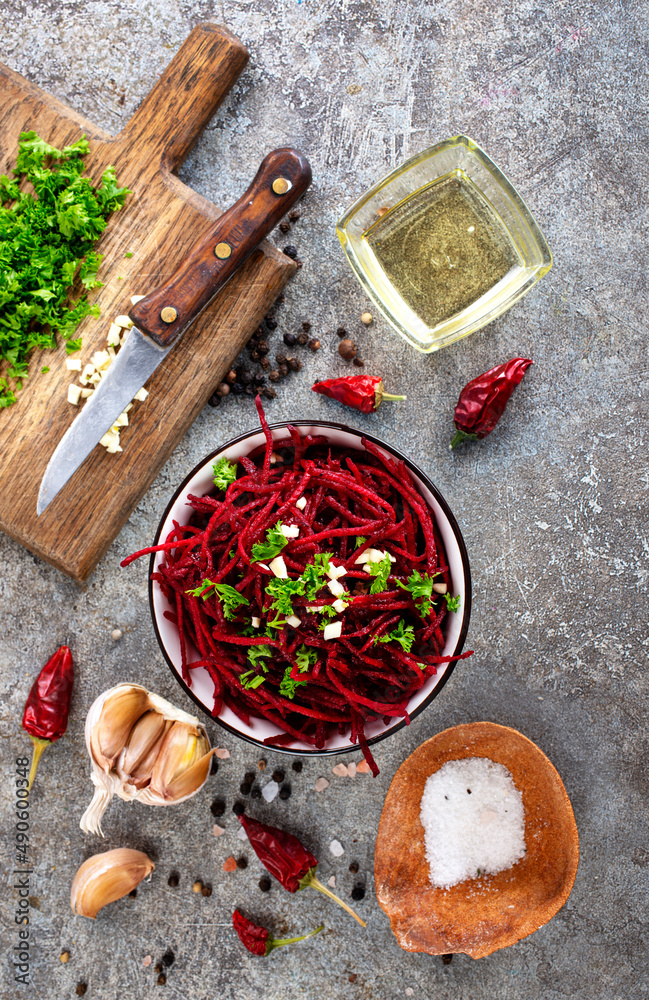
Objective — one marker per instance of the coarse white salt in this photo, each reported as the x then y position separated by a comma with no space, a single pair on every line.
242,835
321,784
332,881
270,790
336,848
473,820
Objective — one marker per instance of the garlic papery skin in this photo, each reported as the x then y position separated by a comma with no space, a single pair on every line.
103,878
164,757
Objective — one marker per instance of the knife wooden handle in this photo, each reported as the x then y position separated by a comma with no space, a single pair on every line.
165,314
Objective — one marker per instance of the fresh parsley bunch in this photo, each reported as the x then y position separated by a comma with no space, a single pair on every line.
46,243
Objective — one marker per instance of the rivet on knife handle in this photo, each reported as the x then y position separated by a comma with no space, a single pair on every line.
284,175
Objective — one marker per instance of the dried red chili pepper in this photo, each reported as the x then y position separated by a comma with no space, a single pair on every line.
258,940
287,859
45,718
362,392
482,402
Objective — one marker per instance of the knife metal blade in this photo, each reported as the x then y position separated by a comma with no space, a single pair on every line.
163,316
135,363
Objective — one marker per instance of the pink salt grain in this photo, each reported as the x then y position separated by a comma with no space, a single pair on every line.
222,754
321,784
363,767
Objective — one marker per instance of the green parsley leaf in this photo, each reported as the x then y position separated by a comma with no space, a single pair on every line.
314,580
203,590
257,654
282,593
380,571
321,561
275,542
360,540
403,634
44,371
128,254
230,598
305,658
420,587
288,686
231,554
328,610
225,472
250,680
72,346
452,603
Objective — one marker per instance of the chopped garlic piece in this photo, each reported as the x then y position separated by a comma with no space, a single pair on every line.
136,298
122,420
86,393
263,566
333,630
141,394
301,503
74,393
124,321
335,572
110,439
290,530
114,334
339,605
372,556
95,379
278,567
274,458
311,608
127,408
293,621
114,448
255,622
101,360
73,364
336,588
86,373
111,352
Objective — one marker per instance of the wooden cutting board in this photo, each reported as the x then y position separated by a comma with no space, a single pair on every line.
158,225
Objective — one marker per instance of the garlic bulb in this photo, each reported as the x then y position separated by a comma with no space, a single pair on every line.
142,747
103,878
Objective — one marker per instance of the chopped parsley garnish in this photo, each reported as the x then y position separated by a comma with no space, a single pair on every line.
314,580
203,590
321,561
380,571
257,655
327,610
230,598
305,658
225,472
282,593
403,634
275,542
46,242
360,541
421,588
250,680
452,603
288,686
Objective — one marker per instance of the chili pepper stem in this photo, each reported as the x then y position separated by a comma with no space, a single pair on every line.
461,436
39,746
311,879
389,395
280,942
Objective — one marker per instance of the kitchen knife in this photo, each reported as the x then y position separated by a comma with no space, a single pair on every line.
163,316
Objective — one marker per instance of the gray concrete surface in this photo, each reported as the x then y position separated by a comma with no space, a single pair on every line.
552,506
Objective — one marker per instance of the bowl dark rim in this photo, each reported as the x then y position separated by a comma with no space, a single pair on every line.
333,751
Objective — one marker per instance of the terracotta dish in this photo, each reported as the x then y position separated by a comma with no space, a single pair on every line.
478,916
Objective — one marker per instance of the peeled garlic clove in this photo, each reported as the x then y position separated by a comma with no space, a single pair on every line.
103,878
120,710
186,783
142,743
182,747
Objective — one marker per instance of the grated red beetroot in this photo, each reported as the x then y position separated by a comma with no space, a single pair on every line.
356,679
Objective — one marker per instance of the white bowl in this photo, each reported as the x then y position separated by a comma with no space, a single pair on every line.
199,481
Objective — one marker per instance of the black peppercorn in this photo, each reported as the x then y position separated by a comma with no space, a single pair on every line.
280,358
168,958
278,775
133,893
279,300
206,891
347,349
81,989
283,370
314,344
263,347
284,227
250,776
256,792
271,323
245,788
290,339
250,390
447,959
291,252
255,355
259,378
341,331
265,364
238,389
214,400
353,867
238,809
269,315
242,863
246,377
215,766
231,376
162,979
294,364
173,880
218,807
358,892
294,215
269,392
274,376
264,883
157,967
359,362
285,792
302,338
297,766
